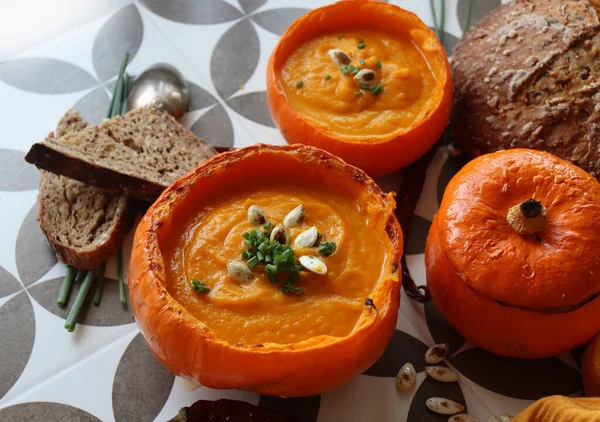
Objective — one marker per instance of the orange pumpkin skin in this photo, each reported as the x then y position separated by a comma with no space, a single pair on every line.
187,347
590,368
499,326
376,156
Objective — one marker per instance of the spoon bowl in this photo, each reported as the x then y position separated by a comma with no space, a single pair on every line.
162,87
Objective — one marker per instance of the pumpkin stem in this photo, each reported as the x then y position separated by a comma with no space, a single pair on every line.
528,217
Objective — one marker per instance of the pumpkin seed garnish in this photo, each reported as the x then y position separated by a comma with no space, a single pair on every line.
441,373
280,234
462,417
443,406
340,57
256,216
295,216
365,76
406,378
307,238
436,353
313,264
239,271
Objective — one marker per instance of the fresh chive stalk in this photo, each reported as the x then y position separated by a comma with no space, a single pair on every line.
468,19
122,298
126,83
84,289
99,284
65,289
80,276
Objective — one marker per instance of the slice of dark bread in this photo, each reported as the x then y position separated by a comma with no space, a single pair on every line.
84,225
139,154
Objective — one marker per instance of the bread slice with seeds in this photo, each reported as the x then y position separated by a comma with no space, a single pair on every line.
138,154
84,225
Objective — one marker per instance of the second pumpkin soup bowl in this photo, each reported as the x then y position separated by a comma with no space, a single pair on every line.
364,80
268,333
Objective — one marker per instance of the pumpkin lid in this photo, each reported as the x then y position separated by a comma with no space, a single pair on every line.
522,227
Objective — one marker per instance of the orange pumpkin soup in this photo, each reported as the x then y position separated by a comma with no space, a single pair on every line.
258,311
331,94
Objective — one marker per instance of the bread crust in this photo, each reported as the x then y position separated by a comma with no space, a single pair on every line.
528,76
59,161
89,256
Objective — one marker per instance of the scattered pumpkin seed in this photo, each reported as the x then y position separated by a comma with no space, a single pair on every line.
443,406
313,264
406,378
239,271
462,417
256,216
441,373
365,76
307,238
436,353
340,57
295,216
280,234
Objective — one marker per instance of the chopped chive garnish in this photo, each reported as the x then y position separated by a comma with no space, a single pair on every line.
267,226
327,248
361,45
340,36
252,262
377,89
328,77
358,94
361,61
353,69
276,257
199,286
299,84
378,64
365,87
344,70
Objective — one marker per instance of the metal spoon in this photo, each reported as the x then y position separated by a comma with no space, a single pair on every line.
161,86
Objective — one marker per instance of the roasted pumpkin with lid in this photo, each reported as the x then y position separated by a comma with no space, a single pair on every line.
266,255
365,80
513,255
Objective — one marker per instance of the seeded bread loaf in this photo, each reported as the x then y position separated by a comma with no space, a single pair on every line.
84,225
138,154
528,76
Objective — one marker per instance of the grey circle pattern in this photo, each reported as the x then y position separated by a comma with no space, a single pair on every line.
109,313
44,412
17,331
122,33
479,9
15,173
430,388
139,371
235,58
402,348
45,75
8,284
34,256
202,12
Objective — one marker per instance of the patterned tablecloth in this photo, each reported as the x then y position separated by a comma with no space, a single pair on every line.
104,370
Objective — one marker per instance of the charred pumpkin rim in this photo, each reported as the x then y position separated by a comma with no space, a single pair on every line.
442,76
376,306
